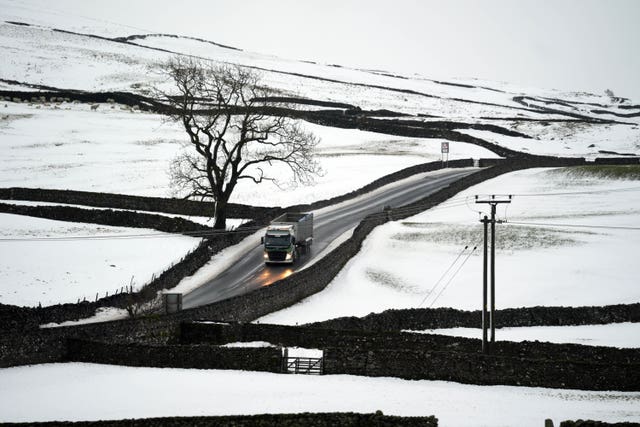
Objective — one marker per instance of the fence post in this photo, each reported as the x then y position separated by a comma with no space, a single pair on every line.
285,360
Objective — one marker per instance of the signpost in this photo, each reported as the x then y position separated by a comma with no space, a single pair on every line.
444,149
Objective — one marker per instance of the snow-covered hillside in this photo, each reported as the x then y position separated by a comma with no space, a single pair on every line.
559,123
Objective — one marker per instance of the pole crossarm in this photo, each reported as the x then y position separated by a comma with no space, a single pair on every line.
494,200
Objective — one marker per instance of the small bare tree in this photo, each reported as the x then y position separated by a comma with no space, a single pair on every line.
233,132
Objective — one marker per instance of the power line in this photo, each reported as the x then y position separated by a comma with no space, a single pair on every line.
442,277
463,200
537,224
453,276
459,201
417,209
570,193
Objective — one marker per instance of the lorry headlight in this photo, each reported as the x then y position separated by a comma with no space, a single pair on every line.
265,255
289,255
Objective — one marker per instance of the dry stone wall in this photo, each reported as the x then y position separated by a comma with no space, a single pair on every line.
267,359
110,217
139,203
431,318
592,423
477,368
347,419
437,357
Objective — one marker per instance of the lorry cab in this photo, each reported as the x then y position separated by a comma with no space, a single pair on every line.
287,236
279,245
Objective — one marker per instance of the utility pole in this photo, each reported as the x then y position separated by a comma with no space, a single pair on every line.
485,348
493,202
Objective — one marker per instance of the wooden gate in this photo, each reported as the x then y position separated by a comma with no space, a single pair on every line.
302,365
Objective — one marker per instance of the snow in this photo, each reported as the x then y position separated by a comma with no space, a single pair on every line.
621,335
291,351
74,148
103,314
126,392
123,66
248,344
68,146
304,352
64,265
42,56
403,264
126,152
43,14
336,242
568,139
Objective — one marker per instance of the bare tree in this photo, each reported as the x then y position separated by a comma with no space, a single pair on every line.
233,132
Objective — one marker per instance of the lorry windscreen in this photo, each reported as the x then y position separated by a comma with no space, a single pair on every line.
277,240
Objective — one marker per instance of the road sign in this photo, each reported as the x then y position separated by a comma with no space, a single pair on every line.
445,147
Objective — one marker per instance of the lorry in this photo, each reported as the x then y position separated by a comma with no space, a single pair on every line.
287,237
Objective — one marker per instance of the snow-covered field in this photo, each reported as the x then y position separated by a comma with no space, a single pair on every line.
570,139
74,148
125,152
413,263
61,393
51,262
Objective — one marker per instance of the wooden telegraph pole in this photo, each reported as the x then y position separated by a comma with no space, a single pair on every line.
493,202
485,349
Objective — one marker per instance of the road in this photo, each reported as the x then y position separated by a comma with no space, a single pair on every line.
250,272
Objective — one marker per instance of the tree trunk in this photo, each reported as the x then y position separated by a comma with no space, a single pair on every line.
221,215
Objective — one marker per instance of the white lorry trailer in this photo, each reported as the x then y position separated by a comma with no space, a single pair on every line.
287,237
